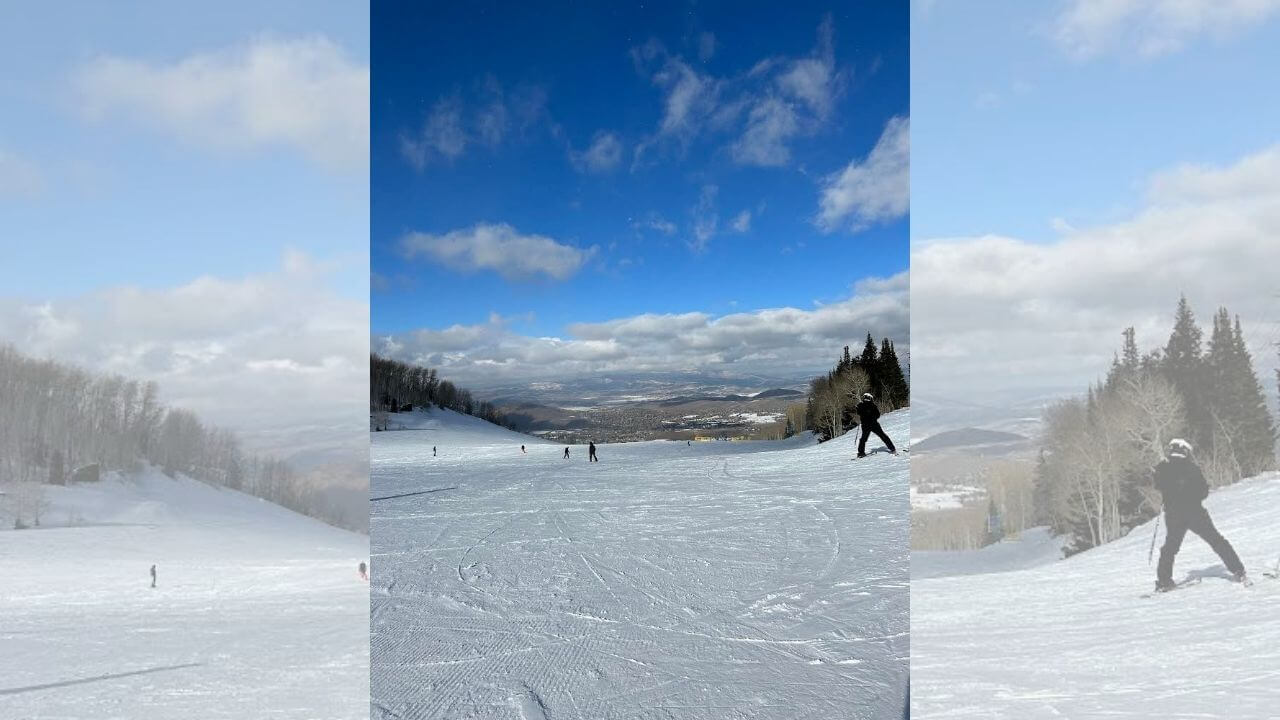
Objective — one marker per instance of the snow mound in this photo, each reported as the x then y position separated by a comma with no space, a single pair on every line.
256,607
1075,639
721,579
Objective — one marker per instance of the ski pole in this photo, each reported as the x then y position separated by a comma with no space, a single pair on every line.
1151,550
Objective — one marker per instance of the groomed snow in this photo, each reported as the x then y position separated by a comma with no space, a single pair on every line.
717,580
259,612
1073,639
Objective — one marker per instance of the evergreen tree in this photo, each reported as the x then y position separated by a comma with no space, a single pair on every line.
1238,409
893,382
1183,364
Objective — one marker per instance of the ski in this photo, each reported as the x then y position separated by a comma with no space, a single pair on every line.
1177,586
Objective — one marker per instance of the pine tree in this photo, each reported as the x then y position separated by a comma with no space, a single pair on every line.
893,382
1183,364
1243,407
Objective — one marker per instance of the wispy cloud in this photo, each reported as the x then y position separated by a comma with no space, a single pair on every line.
499,248
762,110
603,155
307,94
874,189
1089,28
487,117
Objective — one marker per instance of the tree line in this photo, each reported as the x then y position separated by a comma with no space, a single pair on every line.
1093,475
56,419
832,398
396,386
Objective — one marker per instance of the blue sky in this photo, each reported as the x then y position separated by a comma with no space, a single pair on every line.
664,159
184,198
1078,165
1012,128
109,200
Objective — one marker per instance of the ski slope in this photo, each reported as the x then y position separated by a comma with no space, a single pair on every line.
258,612
720,580
1074,639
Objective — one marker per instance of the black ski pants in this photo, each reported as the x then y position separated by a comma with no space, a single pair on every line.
1197,521
873,427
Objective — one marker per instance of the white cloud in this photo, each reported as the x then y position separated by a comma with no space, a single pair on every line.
992,311
307,94
876,189
706,46
764,109
783,340
771,124
656,222
705,218
442,135
489,116
1088,28
500,248
741,222
603,155
18,176
279,357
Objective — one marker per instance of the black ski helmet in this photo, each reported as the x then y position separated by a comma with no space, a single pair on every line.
868,396
1179,448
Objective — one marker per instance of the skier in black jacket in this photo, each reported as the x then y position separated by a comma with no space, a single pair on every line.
1182,487
869,421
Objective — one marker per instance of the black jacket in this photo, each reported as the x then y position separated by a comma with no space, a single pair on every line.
868,413
1181,484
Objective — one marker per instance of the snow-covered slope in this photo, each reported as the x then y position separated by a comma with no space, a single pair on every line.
258,612
1034,547
1073,639
717,580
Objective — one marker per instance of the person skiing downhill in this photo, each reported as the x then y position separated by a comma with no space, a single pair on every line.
433,451
566,453
153,576
869,421
591,453
522,449
1183,488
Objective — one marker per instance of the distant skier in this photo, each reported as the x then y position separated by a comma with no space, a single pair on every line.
522,450
869,421
364,572
153,576
1183,488
566,453
591,453
433,451
689,443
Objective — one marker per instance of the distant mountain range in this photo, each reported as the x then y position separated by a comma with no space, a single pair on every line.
967,438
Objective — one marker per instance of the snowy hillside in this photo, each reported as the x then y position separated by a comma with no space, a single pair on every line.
1074,638
717,580
258,611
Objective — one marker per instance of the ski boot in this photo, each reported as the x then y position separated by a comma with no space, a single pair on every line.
1242,578
1165,586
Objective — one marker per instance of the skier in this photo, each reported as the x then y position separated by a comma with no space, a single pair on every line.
591,453
1182,488
869,420
522,450
364,571
433,451
153,576
566,453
